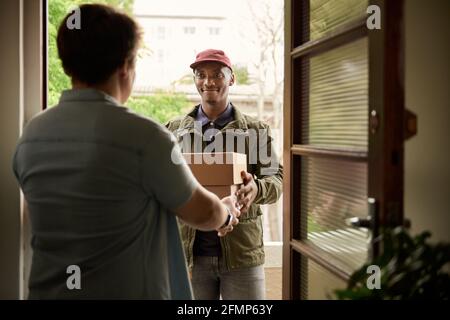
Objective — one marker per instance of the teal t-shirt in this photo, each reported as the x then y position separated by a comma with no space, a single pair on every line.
101,186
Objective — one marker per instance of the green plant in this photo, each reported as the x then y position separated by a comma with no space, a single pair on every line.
411,268
241,75
161,106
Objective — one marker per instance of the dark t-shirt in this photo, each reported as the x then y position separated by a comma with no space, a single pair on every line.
207,243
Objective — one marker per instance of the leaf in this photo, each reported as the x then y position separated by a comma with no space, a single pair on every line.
411,268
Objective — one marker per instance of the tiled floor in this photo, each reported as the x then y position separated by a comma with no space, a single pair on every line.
273,283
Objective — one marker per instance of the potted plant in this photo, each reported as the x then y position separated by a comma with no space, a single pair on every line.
411,268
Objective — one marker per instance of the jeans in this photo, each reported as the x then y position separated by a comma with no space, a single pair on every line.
211,280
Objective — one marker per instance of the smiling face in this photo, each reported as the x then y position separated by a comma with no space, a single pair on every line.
213,80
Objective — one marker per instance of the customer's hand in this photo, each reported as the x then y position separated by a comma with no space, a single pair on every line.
231,203
247,193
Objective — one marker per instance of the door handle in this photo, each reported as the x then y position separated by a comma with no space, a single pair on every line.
368,222
360,222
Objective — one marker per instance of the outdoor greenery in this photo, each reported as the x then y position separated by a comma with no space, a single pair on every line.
411,268
241,75
161,106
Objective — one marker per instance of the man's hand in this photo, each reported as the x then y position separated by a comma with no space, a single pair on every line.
231,203
247,193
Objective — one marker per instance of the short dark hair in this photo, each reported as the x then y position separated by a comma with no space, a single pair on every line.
106,39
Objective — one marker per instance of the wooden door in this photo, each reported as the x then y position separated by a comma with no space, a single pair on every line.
343,139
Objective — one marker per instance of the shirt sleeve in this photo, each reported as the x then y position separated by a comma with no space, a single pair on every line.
165,172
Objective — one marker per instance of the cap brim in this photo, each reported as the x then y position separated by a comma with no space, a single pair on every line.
195,64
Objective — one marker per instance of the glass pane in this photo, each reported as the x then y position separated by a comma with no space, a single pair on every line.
333,191
317,283
336,113
326,15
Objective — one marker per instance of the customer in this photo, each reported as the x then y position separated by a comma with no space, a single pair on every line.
101,187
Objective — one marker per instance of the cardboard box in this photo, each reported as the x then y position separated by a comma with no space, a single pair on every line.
223,191
217,169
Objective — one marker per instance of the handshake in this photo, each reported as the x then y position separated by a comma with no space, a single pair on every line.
238,203
225,175
234,212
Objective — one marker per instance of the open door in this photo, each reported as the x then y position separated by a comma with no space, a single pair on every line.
343,140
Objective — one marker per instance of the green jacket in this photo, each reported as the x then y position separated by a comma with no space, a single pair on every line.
244,246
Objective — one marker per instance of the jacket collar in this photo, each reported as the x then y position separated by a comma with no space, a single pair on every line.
239,121
223,119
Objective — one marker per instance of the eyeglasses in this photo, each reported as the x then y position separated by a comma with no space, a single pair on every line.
203,76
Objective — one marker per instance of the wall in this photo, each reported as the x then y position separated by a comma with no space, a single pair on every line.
21,92
32,104
427,87
10,93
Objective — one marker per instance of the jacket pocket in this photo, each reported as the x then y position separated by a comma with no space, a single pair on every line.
245,244
253,212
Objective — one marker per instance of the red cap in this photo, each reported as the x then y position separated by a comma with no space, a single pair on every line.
211,55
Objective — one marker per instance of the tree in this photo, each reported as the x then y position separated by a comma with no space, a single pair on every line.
267,19
57,79
161,106
241,75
